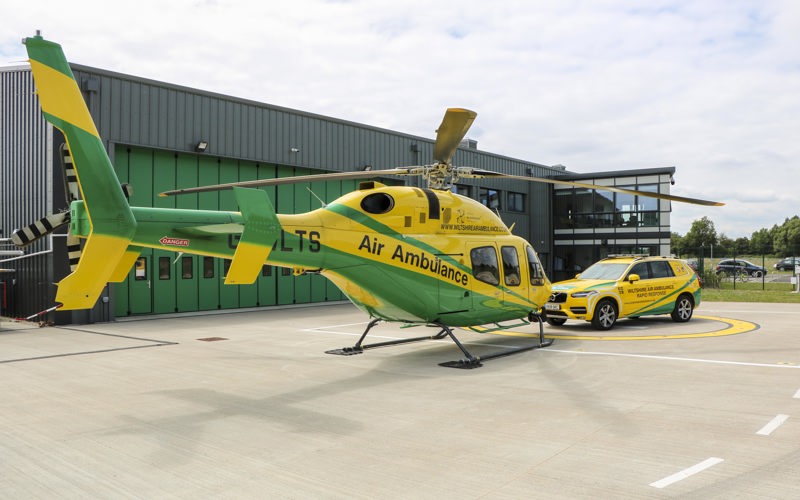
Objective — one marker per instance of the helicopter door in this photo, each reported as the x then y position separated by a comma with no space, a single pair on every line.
455,289
485,275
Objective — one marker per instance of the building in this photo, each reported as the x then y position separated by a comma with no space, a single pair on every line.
161,136
591,224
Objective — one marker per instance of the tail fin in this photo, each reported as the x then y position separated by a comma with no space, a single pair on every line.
261,231
112,222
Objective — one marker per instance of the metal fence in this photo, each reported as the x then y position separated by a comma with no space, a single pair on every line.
752,272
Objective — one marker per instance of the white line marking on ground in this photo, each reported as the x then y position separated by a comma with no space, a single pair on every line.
679,476
772,425
672,358
325,329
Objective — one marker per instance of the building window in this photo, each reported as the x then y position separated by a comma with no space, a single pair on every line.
490,198
581,208
563,211
187,267
208,267
462,190
140,271
637,211
164,268
516,202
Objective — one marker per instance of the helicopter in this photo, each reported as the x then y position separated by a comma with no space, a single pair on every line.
413,255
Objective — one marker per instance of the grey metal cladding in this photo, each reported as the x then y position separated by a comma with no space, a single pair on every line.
26,185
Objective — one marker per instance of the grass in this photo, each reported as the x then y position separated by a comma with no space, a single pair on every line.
749,295
752,291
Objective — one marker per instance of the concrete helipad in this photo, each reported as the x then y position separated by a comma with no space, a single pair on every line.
249,405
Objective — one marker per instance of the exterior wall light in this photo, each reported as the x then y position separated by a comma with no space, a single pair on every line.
201,146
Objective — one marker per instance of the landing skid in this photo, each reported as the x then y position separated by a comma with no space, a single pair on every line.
469,360
358,348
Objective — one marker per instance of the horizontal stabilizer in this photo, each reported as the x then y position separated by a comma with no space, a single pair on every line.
261,230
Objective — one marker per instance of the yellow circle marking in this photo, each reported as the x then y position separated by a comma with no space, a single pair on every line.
734,327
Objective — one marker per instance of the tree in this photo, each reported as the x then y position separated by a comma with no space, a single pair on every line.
787,237
725,246
761,240
702,233
742,246
676,243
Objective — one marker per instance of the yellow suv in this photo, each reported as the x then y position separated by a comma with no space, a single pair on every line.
625,286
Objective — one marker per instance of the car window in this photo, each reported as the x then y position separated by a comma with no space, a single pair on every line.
604,271
642,269
661,269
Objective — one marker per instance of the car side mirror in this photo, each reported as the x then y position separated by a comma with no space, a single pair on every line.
633,278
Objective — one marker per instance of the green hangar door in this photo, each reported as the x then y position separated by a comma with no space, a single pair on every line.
167,282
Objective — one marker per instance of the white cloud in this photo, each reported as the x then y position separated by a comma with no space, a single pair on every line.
712,88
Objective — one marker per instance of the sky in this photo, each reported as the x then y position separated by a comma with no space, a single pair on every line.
710,87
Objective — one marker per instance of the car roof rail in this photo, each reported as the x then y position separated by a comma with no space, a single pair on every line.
628,255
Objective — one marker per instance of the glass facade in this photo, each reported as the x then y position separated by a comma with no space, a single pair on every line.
590,224
579,208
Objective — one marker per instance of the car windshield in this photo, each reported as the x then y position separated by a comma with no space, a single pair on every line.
604,271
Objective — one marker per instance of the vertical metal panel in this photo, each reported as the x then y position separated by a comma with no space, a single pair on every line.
26,189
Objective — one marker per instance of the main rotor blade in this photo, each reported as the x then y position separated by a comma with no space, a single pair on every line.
661,196
296,179
454,127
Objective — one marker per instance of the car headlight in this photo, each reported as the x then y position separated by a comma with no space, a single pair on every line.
586,293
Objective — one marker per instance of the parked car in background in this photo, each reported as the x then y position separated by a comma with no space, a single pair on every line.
788,264
739,266
692,263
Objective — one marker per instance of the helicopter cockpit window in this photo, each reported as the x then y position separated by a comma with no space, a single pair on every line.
377,203
510,266
535,268
484,265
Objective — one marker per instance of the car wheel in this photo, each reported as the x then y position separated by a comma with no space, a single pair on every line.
605,315
556,321
684,307
757,274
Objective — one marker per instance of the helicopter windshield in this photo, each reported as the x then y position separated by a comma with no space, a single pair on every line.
604,271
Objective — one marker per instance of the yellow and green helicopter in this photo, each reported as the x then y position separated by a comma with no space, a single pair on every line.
402,254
